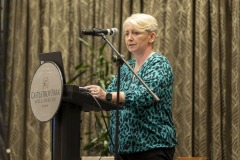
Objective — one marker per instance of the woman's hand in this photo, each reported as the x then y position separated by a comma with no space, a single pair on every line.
96,91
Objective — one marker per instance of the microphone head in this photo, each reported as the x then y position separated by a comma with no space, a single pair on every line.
114,31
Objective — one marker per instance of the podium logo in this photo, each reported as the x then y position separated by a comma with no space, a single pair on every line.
46,91
45,83
38,95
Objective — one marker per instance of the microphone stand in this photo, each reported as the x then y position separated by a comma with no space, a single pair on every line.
120,61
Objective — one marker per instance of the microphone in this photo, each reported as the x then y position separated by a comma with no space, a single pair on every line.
99,32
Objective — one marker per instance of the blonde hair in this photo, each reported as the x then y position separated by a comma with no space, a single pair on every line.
142,22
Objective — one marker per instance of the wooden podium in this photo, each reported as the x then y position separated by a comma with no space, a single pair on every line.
66,123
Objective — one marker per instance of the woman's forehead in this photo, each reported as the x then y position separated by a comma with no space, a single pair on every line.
129,27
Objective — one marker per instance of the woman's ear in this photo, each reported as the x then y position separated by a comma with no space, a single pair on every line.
152,37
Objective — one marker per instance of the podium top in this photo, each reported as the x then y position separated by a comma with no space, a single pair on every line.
55,57
72,94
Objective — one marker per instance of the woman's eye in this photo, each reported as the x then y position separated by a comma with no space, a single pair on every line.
132,33
136,33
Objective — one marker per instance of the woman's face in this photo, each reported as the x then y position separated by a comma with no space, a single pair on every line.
137,42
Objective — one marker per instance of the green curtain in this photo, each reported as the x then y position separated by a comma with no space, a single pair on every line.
200,38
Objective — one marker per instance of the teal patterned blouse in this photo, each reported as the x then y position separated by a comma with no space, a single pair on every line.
144,124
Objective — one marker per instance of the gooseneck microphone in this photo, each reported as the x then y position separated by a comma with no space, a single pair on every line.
99,32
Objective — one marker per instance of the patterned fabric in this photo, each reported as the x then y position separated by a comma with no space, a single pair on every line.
143,123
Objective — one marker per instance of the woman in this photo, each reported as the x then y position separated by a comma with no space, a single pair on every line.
146,129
